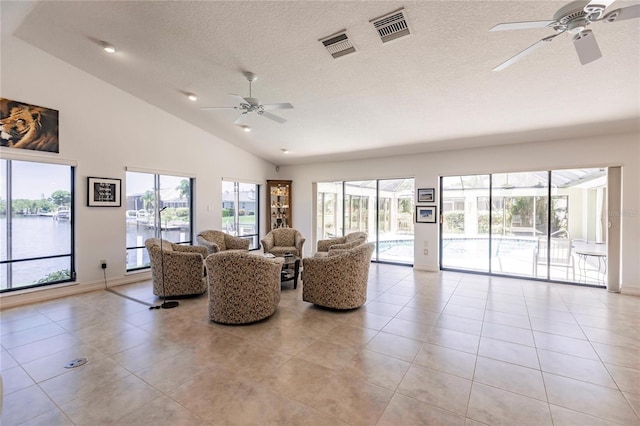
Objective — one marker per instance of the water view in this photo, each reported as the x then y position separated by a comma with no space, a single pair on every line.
34,236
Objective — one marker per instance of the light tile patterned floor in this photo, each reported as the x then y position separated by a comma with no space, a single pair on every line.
428,348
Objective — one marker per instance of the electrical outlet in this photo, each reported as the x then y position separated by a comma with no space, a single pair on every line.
426,252
103,264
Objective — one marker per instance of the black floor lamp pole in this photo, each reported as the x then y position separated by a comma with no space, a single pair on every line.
172,303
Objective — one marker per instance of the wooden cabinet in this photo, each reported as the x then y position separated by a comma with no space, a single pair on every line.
279,204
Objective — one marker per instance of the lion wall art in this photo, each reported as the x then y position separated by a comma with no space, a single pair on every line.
28,126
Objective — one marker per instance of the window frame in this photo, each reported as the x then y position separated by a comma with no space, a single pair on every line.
8,182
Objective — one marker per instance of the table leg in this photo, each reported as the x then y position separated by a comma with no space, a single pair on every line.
296,270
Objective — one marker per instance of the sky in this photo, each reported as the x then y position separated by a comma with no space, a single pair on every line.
32,180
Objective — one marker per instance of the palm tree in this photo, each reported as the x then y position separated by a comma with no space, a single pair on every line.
148,199
185,189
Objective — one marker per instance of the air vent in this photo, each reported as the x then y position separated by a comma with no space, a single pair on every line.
338,44
391,26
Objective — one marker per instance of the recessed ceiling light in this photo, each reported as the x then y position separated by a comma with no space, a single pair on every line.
284,150
108,47
192,97
246,128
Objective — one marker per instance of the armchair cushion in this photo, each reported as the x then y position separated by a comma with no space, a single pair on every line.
243,287
338,281
183,268
348,241
217,241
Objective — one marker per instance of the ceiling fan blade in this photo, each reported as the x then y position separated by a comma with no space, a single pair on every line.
285,105
587,47
525,52
595,9
239,99
273,117
521,25
240,118
209,108
623,14
595,3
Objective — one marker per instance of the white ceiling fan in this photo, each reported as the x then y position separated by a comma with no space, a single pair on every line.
573,19
252,105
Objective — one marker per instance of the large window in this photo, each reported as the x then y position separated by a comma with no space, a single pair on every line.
36,224
543,224
382,208
240,209
147,195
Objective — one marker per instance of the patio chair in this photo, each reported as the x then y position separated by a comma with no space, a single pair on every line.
559,255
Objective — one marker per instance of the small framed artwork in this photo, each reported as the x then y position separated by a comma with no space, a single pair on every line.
425,195
103,192
426,214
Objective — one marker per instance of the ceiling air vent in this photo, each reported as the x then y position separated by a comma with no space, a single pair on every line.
391,26
338,44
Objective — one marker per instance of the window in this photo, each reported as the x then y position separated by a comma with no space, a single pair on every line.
36,205
240,209
147,194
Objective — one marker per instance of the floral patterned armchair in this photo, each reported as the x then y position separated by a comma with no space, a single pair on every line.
281,241
348,241
243,287
216,241
339,280
183,268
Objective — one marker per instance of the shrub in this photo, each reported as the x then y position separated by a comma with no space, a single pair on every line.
454,222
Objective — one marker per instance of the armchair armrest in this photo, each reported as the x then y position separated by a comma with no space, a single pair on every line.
345,246
299,242
323,245
209,245
267,242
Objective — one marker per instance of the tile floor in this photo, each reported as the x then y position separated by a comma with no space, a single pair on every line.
428,348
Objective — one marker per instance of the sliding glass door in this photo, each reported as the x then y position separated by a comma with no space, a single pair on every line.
395,220
519,220
329,210
465,227
382,208
547,225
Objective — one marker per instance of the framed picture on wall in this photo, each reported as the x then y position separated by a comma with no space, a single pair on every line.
103,192
426,195
426,214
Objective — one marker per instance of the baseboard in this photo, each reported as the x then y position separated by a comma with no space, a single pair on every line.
426,268
42,294
630,291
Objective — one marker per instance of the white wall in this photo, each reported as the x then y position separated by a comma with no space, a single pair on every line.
105,130
611,150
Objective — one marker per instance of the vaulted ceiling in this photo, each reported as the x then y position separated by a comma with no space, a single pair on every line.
432,90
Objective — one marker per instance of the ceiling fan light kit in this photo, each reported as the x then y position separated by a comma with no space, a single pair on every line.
573,19
251,105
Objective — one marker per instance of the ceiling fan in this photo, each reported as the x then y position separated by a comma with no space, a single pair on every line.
252,105
573,18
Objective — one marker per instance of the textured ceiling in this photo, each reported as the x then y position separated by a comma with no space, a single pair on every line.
429,91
